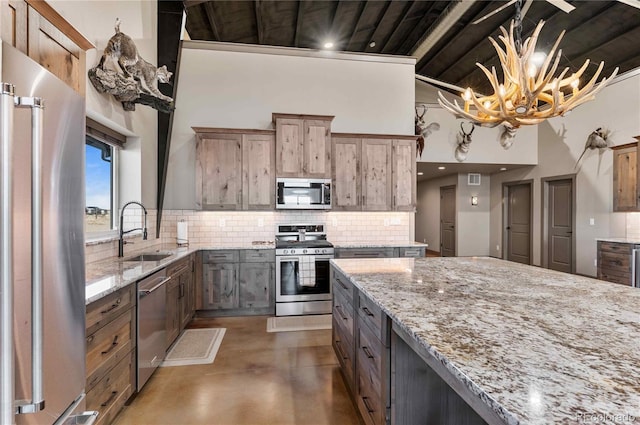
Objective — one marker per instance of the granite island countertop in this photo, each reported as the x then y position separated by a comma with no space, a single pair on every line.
107,276
535,345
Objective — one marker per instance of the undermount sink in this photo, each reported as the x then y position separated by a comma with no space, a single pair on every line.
155,256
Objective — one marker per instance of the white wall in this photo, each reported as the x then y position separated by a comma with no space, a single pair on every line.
241,89
95,20
561,141
472,236
428,210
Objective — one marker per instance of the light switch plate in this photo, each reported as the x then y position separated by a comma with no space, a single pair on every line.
334,222
592,221
221,222
386,222
261,222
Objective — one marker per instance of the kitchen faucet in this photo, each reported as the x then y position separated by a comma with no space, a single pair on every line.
121,241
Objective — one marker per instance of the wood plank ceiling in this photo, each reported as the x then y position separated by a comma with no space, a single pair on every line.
597,30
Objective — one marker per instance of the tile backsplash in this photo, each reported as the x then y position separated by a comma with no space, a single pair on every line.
225,227
633,225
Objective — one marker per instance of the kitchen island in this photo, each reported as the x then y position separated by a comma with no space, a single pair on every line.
518,344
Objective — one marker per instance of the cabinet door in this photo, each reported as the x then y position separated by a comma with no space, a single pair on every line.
376,175
218,172
317,149
187,298
173,310
289,147
220,286
345,157
403,175
13,15
625,179
256,283
258,172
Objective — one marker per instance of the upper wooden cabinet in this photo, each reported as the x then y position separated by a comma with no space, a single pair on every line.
373,173
625,178
303,145
234,169
37,30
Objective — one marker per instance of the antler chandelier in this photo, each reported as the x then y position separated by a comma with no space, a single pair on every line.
529,94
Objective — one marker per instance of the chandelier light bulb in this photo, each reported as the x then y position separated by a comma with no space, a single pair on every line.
532,70
538,58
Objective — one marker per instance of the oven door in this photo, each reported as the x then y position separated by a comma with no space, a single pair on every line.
303,278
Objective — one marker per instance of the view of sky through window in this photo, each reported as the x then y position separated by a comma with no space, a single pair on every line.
98,186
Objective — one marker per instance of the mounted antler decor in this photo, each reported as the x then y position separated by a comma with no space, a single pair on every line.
422,129
135,80
464,142
528,94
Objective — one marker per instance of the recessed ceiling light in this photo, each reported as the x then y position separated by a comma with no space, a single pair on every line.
503,169
372,44
328,44
441,168
420,173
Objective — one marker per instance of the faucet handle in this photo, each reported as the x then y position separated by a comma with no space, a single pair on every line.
144,234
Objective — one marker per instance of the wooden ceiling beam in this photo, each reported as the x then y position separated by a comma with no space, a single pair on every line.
296,37
398,24
208,8
407,45
367,47
363,6
191,3
259,25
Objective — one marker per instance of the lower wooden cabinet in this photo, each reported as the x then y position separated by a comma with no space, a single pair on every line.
111,348
379,252
238,282
180,297
615,262
361,343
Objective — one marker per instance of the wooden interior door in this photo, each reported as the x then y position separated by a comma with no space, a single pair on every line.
519,223
448,221
560,225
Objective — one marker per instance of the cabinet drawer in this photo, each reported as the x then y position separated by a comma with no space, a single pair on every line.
615,276
101,312
364,253
258,256
369,403
179,266
342,285
411,252
369,357
112,391
345,353
615,261
108,346
343,313
615,247
371,315
220,257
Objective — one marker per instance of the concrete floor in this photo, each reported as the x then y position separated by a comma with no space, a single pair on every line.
256,378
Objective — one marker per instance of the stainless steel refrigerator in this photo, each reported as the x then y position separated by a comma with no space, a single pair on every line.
42,287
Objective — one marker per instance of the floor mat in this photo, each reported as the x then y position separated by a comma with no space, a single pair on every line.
195,346
298,323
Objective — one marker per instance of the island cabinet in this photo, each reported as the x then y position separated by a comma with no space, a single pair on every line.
303,145
379,252
180,297
361,341
110,358
626,195
373,172
235,169
237,282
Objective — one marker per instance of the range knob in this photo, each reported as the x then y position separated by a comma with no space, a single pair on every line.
285,252
324,250
304,251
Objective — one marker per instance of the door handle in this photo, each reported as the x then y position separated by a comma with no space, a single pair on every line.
508,227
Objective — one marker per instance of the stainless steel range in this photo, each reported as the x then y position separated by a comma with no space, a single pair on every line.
303,284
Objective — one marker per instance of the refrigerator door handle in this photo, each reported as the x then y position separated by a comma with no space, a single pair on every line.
36,403
7,377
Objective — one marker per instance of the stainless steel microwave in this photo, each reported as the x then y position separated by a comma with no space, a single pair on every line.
308,194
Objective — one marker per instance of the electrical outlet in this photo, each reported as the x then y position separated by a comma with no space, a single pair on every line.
221,222
386,222
261,222
334,222
595,262
592,221
395,221
497,247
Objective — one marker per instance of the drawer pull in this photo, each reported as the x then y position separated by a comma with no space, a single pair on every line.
342,284
367,352
90,339
366,404
367,311
114,344
110,399
339,345
113,306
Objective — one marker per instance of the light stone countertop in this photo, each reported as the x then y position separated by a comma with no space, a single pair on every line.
109,275
379,244
620,240
536,346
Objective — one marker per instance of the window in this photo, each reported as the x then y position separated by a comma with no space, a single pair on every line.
101,195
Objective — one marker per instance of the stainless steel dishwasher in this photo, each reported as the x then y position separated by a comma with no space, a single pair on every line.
152,332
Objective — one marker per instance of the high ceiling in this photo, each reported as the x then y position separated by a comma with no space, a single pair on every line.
598,30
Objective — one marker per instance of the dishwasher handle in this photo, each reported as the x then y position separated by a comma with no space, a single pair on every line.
144,292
